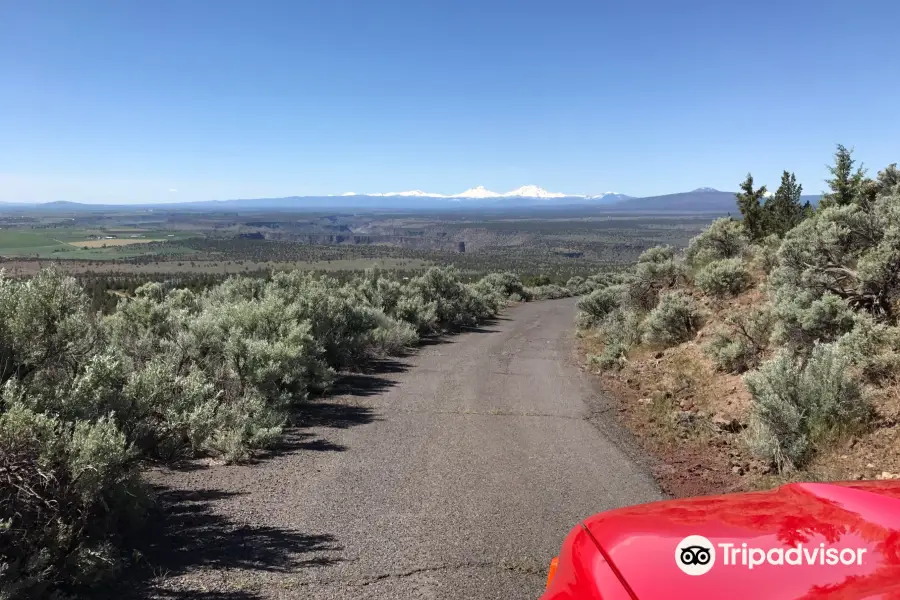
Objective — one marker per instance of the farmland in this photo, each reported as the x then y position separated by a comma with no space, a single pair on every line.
68,243
115,251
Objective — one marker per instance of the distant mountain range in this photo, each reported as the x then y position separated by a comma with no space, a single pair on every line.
704,199
479,192
700,200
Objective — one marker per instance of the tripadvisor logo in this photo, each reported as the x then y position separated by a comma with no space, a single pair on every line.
696,555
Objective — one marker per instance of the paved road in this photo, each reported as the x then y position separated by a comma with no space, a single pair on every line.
454,473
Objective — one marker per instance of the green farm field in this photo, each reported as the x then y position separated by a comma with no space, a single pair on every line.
88,244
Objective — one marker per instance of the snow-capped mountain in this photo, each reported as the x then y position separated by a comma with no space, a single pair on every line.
411,193
704,189
526,191
415,193
477,192
480,192
532,191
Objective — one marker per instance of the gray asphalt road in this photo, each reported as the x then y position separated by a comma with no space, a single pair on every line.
454,473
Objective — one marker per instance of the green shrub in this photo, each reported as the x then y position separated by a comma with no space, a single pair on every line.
650,279
577,285
622,328
45,326
503,285
619,330
724,238
438,300
800,406
549,292
482,305
594,307
272,345
873,347
738,345
731,355
721,278
804,318
198,413
611,357
68,494
393,337
413,309
657,254
338,320
450,297
764,254
674,320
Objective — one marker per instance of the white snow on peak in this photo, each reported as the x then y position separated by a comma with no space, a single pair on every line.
411,193
706,189
603,195
532,191
477,192
480,192
526,191
416,193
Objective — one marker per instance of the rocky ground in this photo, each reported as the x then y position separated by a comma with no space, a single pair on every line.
693,418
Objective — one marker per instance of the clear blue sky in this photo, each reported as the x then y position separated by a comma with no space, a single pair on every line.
124,101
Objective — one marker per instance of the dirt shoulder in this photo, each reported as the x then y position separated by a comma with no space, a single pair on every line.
691,455
692,419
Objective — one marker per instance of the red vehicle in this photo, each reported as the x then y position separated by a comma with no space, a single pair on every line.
802,540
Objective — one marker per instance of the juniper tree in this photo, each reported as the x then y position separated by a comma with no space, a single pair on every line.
783,211
850,252
847,186
749,202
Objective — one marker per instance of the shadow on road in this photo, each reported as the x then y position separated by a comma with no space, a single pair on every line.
437,340
334,415
452,337
479,329
318,414
368,381
197,595
296,439
185,534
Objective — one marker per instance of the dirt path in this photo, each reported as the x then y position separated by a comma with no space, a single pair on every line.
454,473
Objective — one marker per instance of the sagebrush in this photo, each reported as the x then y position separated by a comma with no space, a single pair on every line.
173,374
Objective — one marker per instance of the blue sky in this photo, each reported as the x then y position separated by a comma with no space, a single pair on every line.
110,101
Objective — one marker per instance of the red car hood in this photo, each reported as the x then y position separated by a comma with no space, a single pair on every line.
639,543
